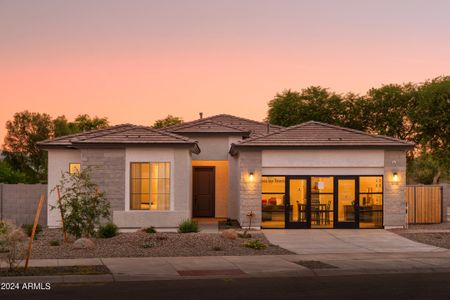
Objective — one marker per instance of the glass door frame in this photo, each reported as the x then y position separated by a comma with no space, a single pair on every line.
346,225
287,203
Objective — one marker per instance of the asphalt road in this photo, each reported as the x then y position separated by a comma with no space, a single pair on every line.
392,286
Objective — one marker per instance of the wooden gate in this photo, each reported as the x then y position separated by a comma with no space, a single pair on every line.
424,204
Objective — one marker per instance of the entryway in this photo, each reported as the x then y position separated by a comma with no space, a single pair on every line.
203,192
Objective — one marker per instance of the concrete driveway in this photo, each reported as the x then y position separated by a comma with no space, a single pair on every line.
321,241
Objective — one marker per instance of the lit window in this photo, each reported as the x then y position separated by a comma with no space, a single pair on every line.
370,201
150,186
74,168
272,200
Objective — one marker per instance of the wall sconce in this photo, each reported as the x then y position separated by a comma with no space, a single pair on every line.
251,176
395,177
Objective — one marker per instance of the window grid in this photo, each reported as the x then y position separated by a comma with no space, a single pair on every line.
150,186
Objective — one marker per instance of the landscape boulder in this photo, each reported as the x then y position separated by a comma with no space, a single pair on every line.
230,234
83,243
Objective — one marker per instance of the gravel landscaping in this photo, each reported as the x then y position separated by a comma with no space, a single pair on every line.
53,271
432,234
142,244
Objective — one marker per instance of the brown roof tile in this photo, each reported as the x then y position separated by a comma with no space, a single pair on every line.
317,134
255,128
119,134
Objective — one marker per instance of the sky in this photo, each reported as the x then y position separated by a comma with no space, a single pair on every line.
137,61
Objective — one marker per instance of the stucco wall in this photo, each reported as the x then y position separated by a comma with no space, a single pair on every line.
394,192
58,163
19,202
180,189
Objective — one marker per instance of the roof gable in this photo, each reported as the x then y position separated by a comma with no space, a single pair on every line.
317,134
254,128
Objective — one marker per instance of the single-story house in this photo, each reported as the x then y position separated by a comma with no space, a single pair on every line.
312,175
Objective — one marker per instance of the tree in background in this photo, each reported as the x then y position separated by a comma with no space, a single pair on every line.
167,121
24,162
20,149
82,123
415,112
431,115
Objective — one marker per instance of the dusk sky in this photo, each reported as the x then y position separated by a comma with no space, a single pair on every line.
138,61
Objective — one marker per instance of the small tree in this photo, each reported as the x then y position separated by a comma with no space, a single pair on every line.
167,121
82,204
12,244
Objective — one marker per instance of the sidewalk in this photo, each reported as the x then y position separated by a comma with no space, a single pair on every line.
176,268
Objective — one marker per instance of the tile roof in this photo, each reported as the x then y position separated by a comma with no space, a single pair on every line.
209,127
119,134
255,128
317,134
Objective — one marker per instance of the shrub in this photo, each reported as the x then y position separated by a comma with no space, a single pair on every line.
255,244
150,229
28,228
13,243
217,248
82,204
188,226
229,222
54,243
108,230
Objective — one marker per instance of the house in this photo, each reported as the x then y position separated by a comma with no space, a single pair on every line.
312,175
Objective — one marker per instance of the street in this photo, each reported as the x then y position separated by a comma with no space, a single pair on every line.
387,286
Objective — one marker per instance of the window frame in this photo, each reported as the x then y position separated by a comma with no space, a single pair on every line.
150,178
70,167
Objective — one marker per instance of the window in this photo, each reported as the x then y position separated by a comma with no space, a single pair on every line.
150,186
272,201
370,201
74,168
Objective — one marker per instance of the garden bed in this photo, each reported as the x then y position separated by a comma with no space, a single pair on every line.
142,244
54,271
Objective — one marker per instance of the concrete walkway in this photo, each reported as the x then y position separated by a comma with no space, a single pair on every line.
345,241
170,268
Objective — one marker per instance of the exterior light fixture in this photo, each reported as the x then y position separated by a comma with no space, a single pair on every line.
252,176
395,177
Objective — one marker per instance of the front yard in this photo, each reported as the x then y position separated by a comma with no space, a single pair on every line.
432,234
49,244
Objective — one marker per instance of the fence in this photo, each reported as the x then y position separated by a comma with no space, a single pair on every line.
425,204
18,202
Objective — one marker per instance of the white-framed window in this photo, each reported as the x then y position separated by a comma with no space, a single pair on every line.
150,185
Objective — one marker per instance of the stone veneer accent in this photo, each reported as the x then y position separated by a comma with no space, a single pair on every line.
250,191
108,171
394,208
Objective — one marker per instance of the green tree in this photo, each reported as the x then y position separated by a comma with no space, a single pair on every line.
20,149
82,204
432,118
388,110
86,123
167,121
8,175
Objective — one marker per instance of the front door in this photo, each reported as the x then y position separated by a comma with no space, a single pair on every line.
297,206
346,213
203,192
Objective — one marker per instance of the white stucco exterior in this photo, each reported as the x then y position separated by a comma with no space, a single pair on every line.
58,163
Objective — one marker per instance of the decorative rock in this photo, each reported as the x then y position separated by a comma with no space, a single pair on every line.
83,243
230,234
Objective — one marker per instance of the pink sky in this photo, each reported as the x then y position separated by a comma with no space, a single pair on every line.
138,61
